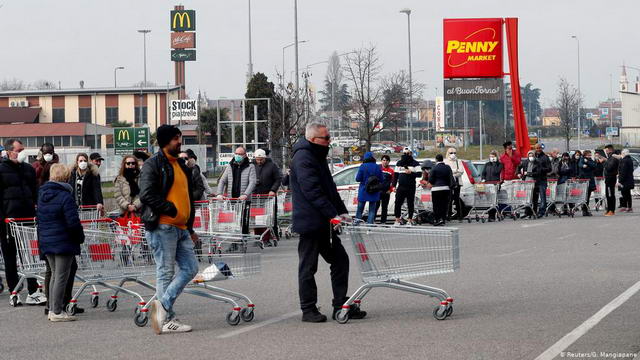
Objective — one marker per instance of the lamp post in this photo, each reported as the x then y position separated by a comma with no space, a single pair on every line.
410,113
144,33
250,70
115,75
283,105
295,42
579,91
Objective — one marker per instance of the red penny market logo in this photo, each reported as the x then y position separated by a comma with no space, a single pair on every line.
471,50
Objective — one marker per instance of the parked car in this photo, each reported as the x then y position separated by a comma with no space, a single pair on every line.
382,149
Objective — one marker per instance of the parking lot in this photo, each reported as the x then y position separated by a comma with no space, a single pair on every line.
523,286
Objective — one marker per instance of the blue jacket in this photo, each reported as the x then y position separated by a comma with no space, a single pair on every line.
315,196
59,227
368,168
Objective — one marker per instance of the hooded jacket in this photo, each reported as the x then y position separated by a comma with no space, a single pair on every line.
59,227
268,177
403,180
625,176
315,196
367,169
91,187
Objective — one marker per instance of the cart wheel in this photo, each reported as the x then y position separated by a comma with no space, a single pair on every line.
14,301
468,221
141,319
112,305
342,317
1,286
483,220
233,318
274,242
440,313
449,310
261,245
71,308
95,300
477,218
247,314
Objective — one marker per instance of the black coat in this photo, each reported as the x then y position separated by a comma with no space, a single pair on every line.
18,194
544,166
538,173
587,172
565,172
441,175
156,180
268,177
91,187
403,180
492,171
315,196
625,177
198,183
611,169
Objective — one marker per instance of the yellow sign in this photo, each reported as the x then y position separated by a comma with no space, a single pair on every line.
123,135
183,20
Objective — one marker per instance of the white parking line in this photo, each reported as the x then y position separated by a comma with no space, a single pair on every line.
574,335
260,324
566,236
512,253
540,223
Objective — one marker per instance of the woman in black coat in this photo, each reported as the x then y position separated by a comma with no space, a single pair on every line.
625,179
565,169
85,181
441,181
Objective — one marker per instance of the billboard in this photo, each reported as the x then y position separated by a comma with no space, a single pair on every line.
183,110
472,48
481,89
439,113
612,131
183,40
183,55
183,20
127,140
448,140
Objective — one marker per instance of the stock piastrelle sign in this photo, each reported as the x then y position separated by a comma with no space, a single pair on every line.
472,48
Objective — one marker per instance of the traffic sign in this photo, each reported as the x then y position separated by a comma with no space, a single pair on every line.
127,140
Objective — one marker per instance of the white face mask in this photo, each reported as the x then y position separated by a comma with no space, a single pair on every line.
531,158
83,165
452,156
47,157
493,159
22,156
3,154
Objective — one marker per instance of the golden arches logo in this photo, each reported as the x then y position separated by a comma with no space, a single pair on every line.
124,135
471,46
182,16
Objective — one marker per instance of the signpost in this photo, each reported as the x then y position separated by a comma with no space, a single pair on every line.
183,110
612,131
128,140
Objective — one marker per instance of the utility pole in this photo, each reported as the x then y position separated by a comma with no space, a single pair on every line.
250,70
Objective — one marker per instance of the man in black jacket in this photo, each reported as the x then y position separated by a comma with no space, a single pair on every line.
18,197
610,179
167,213
405,184
626,181
535,167
268,177
315,203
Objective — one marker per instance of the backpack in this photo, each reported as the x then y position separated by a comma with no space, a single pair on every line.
372,186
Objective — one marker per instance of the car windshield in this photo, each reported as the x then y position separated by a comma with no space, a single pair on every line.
473,169
346,177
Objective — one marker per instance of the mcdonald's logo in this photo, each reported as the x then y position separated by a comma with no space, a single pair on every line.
183,20
124,135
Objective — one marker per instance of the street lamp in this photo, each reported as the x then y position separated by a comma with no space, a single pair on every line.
250,72
579,92
144,33
410,114
115,78
283,105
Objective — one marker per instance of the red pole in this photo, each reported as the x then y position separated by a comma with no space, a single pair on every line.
519,120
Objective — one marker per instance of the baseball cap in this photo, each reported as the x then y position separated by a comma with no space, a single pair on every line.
96,156
259,154
406,150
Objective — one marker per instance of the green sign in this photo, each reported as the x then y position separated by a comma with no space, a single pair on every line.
127,140
183,20
183,55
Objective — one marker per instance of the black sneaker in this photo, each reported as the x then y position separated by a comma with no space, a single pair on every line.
354,313
79,310
313,316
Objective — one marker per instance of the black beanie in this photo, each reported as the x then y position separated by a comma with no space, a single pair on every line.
166,133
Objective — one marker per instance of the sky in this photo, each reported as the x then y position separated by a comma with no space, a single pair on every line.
73,40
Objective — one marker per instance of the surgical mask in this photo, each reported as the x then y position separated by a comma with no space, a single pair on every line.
238,158
48,157
22,156
531,158
83,165
452,156
493,159
3,154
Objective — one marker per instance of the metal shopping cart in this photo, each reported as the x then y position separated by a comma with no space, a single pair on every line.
556,197
285,213
89,212
388,256
424,195
227,215
349,197
599,195
576,195
485,199
517,196
1,268
25,234
262,217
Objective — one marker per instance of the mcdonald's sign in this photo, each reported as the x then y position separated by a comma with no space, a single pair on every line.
183,20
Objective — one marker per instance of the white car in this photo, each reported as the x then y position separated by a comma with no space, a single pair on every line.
345,180
382,149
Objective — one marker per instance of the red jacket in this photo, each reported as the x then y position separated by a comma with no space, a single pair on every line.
509,165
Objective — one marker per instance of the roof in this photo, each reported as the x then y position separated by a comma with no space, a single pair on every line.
90,91
551,113
18,115
53,129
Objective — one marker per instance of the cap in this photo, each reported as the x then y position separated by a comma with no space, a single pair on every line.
259,154
406,150
96,156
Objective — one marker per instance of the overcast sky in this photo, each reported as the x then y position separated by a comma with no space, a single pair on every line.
75,40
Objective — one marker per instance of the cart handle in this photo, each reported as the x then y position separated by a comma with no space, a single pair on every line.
88,206
103,220
9,220
262,196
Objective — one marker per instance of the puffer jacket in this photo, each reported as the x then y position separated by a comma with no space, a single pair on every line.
91,187
18,194
625,175
59,228
587,166
247,179
268,177
367,169
492,171
122,194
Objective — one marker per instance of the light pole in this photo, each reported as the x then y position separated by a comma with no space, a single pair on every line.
250,71
295,42
410,114
579,92
115,75
144,33
283,105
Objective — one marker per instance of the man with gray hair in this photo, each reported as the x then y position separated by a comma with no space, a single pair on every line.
315,203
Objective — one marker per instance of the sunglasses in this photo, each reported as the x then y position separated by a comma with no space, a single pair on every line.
130,163
452,153
326,138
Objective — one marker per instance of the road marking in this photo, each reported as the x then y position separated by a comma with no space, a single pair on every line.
566,236
512,253
260,324
535,224
574,335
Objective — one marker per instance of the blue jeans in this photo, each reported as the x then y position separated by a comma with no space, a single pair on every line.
172,245
372,211
542,192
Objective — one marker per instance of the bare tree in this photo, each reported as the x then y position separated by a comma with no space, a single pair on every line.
12,84
568,101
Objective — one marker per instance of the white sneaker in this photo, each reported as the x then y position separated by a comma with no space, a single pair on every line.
175,326
62,317
409,223
397,223
158,316
37,298
16,302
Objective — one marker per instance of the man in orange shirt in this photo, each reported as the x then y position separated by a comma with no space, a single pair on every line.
167,212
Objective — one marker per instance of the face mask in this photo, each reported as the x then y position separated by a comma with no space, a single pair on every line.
493,159
531,158
22,156
47,157
3,155
238,158
191,163
452,156
83,165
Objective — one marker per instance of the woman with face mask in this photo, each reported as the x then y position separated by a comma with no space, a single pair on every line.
574,162
45,159
493,168
85,181
565,169
126,190
457,168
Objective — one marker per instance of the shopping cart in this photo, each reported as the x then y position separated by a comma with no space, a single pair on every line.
517,196
599,195
261,217
556,197
1,268
576,195
485,199
25,234
424,195
389,255
285,213
349,197
89,212
227,215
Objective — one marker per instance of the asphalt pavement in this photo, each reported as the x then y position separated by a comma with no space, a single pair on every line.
526,289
